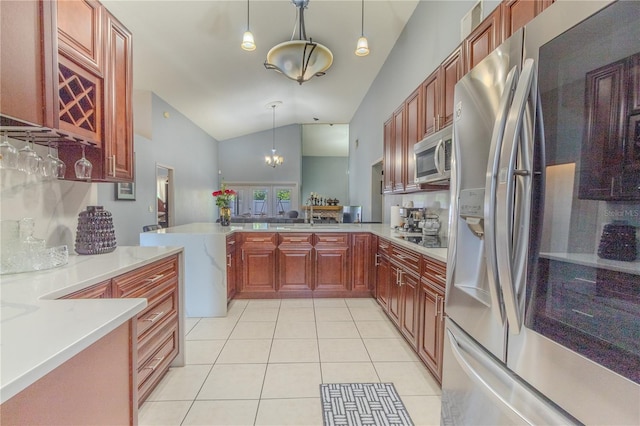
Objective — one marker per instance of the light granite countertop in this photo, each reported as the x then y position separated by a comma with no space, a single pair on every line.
40,333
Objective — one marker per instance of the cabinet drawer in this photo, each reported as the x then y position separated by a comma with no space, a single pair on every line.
410,260
161,306
296,238
231,242
97,291
153,368
260,237
435,271
149,344
332,239
384,247
143,282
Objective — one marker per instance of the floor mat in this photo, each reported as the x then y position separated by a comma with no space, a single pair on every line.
362,404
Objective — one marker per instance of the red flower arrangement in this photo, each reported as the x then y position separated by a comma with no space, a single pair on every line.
224,196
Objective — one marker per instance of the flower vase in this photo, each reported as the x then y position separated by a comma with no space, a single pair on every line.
225,216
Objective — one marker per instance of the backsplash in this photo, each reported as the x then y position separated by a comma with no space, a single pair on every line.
436,202
54,205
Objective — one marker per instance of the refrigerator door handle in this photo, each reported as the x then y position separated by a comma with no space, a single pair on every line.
490,192
513,197
523,405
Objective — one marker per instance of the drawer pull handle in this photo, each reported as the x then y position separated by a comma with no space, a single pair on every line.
228,261
377,261
331,239
153,367
257,240
154,278
230,243
154,316
582,313
441,277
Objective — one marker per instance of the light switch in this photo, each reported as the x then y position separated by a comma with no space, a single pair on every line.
150,208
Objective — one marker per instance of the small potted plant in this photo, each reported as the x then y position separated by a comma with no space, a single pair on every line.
223,198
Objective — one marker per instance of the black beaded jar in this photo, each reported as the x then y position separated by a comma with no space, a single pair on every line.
95,233
618,242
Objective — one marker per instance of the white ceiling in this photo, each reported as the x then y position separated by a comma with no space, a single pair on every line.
188,53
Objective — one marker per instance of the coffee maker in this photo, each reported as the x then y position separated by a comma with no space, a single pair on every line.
411,218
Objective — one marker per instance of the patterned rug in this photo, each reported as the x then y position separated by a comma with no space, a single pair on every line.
362,404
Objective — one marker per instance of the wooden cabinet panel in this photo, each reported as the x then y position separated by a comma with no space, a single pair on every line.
450,72
515,14
97,291
361,262
393,306
332,239
413,135
152,366
409,285
383,280
232,266
431,328
398,145
80,32
483,40
295,267
148,280
332,269
409,260
388,159
160,307
605,115
430,104
29,63
118,147
258,268
634,87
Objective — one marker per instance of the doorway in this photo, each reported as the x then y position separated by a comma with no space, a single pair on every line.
376,192
164,194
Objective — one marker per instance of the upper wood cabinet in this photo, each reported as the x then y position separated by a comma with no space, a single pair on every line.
29,63
516,13
387,161
437,94
80,34
483,40
413,134
398,146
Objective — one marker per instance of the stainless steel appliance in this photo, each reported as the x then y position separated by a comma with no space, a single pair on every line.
433,158
540,329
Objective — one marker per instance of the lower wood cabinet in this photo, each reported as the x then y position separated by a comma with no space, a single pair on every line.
383,272
361,262
258,263
431,333
331,263
409,285
157,325
295,263
232,266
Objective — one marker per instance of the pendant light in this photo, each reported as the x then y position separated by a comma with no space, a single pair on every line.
274,160
362,48
301,59
247,39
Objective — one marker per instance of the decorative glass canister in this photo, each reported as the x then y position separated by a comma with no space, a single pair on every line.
95,233
225,216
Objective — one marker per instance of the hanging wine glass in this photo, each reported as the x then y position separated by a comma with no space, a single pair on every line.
53,167
28,160
8,154
83,167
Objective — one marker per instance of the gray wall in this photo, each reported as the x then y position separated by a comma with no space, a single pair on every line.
177,143
431,34
327,176
242,159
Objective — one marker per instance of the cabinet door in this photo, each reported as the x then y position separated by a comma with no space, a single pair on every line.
80,33
430,102
388,163
28,71
413,135
258,268
483,40
118,146
332,271
409,307
394,294
634,87
361,259
431,328
398,142
295,267
383,280
605,116
450,73
517,13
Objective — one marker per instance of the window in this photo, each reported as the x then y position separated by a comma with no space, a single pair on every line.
264,200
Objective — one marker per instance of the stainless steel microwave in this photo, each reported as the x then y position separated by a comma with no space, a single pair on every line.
433,157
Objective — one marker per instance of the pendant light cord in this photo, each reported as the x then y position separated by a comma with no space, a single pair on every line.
274,129
247,15
362,27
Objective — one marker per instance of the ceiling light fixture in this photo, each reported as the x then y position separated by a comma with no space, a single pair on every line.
301,59
362,48
247,39
274,160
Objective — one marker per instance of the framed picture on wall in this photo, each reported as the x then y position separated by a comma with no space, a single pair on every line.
126,191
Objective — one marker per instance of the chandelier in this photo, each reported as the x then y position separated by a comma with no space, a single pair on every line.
274,160
300,59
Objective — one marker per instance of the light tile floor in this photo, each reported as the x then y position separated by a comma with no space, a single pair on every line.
264,362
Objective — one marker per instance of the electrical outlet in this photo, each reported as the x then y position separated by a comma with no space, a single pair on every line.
150,208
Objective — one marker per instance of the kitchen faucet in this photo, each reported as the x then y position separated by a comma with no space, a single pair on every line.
310,201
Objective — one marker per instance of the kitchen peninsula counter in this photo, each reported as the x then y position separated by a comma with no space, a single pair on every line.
40,333
205,255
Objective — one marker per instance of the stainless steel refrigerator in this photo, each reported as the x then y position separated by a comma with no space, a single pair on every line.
543,273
